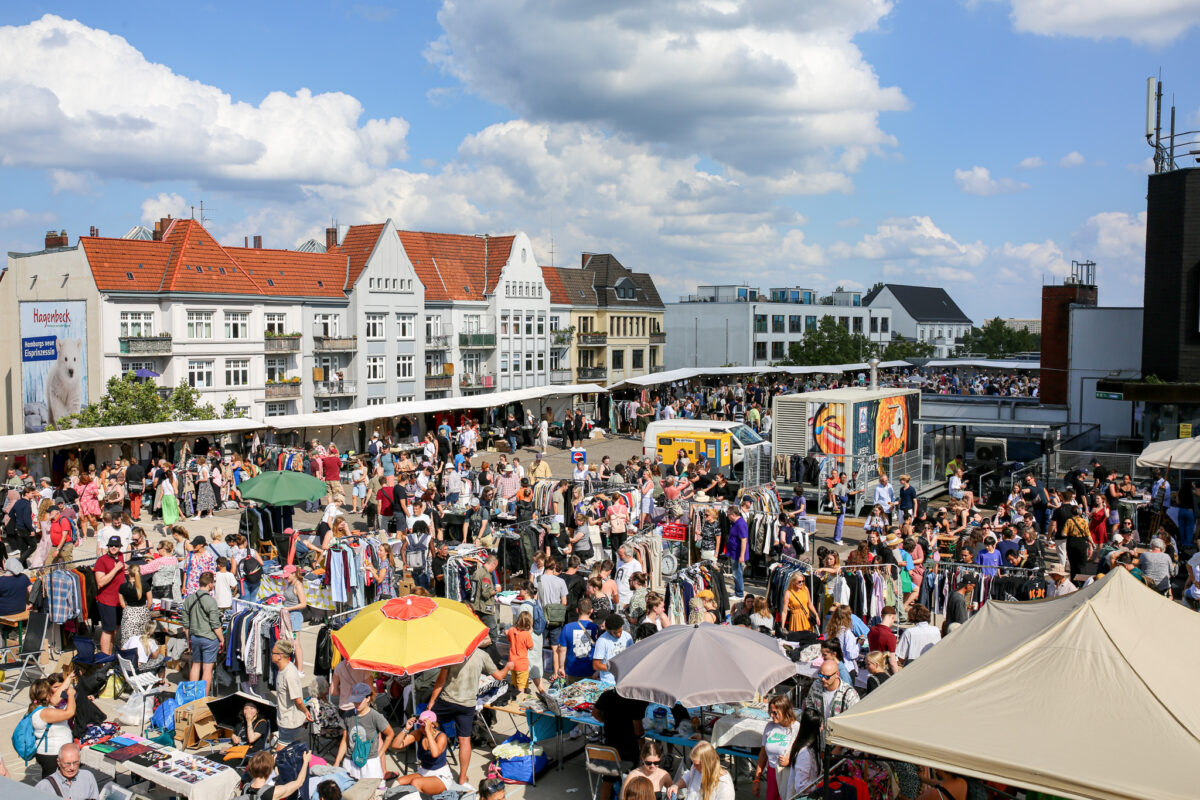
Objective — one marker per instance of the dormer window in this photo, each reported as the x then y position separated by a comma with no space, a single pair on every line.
625,289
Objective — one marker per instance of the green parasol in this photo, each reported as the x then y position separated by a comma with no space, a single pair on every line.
283,488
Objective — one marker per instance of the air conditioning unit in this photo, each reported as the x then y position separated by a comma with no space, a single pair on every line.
991,449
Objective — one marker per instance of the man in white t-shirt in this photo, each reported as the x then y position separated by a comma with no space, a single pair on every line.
626,566
917,640
107,529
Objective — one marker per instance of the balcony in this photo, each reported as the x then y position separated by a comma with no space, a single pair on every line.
477,341
590,374
338,343
593,339
561,376
658,338
281,390
477,380
334,388
561,338
283,344
441,382
437,342
146,345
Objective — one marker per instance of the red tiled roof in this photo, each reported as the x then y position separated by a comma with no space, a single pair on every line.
189,259
554,285
358,245
452,265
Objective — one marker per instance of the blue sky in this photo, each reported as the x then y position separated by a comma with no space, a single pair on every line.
978,145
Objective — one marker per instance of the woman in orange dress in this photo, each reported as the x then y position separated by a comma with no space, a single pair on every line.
798,611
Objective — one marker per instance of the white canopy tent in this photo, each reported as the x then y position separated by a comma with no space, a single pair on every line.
985,363
687,373
1179,453
1044,694
74,437
353,416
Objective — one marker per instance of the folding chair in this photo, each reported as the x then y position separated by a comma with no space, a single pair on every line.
147,684
28,655
86,654
602,762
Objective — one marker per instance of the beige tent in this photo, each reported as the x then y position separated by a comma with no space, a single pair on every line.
1091,695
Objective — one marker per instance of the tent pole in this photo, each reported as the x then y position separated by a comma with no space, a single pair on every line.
824,767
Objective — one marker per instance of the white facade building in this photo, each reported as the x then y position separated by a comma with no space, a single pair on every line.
738,325
923,314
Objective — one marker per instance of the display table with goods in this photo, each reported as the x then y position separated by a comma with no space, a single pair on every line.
178,772
740,725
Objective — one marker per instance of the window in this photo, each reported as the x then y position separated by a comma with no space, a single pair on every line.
504,324
404,368
406,326
554,322
504,362
541,362
275,324
237,325
541,325
760,323
200,374
794,325
374,369
237,371
375,401
529,362
810,323
433,327
134,366
434,365
529,324
325,325
277,409
375,327
241,411
874,324
327,404
858,325
844,322
276,369
884,324
556,359
137,323
199,325
618,359
639,359
472,323
406,398
760,351
776,351
777,323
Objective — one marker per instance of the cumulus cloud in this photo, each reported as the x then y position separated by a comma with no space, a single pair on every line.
979,180
80,99
1151,22
915,240
1072,159
163,205
62,180
1033,162
1116,241
19,217
766,88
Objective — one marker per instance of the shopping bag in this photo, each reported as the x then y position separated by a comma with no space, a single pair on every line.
520,769
135,712
191,690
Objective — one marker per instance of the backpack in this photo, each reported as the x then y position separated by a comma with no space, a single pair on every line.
24,739
360,750
253,794
539,619
417,556
250,568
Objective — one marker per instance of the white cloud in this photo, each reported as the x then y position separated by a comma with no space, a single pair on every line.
77,98
766,88
979,180
1151,22
62,180
1022,263
915,240
163,205
19,217
1033,162
1072,159
1144,167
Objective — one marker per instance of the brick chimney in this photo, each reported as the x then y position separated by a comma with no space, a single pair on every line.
93,231
257,242
55,240
331,238
160,228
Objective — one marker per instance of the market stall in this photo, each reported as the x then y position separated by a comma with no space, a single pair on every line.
179,773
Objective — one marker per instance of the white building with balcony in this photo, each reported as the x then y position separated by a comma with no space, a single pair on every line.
924,314
741,325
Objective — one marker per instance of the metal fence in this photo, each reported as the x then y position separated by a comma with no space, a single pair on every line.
1121,463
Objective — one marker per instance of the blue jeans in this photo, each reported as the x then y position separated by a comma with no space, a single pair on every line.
837,528
512,444
1187,526
738,587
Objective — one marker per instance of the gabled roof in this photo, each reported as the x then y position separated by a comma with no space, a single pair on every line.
607,272
571,287
554,285
923,303
189,259
456,266
358,245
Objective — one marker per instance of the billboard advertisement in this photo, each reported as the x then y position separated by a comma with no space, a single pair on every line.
827,428
53,360
886,427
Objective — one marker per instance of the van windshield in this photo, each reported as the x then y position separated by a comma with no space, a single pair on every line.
746,435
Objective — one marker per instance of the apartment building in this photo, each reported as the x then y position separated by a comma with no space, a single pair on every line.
615,321
741,325
486,312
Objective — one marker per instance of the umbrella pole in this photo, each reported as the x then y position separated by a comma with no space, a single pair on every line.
824,767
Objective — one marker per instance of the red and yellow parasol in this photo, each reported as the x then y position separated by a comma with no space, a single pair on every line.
407,635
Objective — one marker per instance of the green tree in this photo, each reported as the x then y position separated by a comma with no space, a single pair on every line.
128,400
996,339
830,343
905,349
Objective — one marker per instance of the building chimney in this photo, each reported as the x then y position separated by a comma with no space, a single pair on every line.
93,231
246,241
331,238
1056,335
56,239
158,231
257,242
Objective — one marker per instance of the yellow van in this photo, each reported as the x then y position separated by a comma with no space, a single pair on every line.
716,446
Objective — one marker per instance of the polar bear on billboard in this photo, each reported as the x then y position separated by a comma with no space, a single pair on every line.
64,382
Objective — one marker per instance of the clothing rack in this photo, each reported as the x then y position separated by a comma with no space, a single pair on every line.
1002,568
842,567
238,602
92,561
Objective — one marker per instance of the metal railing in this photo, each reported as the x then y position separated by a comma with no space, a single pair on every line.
333,388
561,376
477,339
145,345
473,380
288,389
335,343
438,382
1122,463
561,338
591,374
283,344
593,338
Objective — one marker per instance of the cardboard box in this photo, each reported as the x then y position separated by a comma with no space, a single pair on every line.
194,724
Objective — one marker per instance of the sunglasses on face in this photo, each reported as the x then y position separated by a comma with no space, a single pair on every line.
651,762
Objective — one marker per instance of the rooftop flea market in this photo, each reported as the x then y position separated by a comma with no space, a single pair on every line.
679,586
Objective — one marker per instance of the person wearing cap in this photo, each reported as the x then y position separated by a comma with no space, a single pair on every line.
202,618
291,713
199,561
14,588
110,574
366,736
433,775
